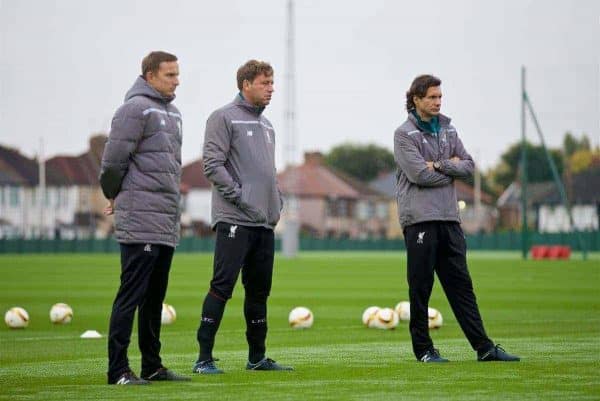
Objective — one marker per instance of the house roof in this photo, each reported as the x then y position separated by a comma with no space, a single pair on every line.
315,179
385,183
582,188
192,176
76,170
466,193
17,169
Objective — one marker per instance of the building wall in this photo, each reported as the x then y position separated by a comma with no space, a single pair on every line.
20,206
198,204
554,219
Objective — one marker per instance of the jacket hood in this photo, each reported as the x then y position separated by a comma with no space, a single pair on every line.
142,88
242,102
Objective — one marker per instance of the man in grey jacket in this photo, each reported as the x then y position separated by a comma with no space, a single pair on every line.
140,176
430,156
239,160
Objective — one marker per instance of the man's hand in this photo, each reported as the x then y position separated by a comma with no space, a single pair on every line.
429,166
109,208
455,159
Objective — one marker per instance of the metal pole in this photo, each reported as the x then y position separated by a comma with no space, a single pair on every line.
41,186
557,180
524,229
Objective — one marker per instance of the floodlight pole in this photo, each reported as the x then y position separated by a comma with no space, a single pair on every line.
291,228
524,228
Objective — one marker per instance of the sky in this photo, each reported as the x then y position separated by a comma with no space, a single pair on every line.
65,67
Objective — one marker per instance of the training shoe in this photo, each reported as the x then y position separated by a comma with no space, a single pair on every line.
207,367
129,379
433,355
266,364
496,353
164,374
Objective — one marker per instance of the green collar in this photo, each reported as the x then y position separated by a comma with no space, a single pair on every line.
432,126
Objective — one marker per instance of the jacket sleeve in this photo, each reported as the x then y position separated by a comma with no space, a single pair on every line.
217,142
126,130
411,162
462,168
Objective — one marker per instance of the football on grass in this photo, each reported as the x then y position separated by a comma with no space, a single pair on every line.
16,318
61,313
301,318
168,315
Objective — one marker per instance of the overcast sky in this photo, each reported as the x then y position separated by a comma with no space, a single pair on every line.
66,65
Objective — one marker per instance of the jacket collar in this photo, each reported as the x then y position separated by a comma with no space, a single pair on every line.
444,121
243,103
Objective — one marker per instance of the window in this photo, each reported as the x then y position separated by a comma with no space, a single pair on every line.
14,197
382,210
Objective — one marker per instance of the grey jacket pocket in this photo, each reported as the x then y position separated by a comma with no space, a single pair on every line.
255,214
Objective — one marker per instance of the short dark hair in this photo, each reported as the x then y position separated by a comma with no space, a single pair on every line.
419,88
251,70
152,61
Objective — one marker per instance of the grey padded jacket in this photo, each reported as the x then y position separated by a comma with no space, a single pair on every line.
425,195
141,167
239,160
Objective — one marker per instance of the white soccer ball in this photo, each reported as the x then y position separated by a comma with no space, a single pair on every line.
403,310
168,314
61,313
16,318
435,318
385,318
369,315
301,318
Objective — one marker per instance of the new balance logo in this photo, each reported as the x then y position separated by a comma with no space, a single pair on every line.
420,237
232,231
123,380
425,140
147,248
208,320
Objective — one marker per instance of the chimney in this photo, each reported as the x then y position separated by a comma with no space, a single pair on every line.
313,158
97,143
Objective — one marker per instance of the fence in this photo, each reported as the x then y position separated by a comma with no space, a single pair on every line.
495,241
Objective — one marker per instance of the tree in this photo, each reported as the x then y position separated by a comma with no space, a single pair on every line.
572,145
364,162
538,169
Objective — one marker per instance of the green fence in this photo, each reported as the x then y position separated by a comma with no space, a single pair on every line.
495,241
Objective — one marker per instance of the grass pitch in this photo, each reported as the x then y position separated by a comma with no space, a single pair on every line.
546,312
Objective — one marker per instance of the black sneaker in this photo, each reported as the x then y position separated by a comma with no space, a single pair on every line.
266,364
207,367
129,379
496,353
164,374
433,355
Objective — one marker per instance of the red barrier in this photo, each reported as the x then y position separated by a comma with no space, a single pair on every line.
550,252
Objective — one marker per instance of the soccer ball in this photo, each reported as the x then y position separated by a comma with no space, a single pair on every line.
369,315
435,318
403,310
16,318
61,313
301,318
168,314
385,318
